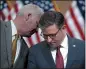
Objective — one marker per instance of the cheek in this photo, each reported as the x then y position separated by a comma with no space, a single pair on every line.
58,40
33,25
58,37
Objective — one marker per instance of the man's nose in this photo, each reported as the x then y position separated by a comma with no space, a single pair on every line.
49,39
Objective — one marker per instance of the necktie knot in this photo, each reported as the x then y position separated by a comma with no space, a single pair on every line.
16,36
58,47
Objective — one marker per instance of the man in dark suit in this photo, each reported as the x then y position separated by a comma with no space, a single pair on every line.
45,54
24,24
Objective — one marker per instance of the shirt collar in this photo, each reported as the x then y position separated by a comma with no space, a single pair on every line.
14,30
64,43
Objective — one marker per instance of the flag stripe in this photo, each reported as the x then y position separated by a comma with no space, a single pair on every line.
30,41
76,24
68,29
2,17
16,8
71,25
13,13
9,17
78,16
38,38
34,38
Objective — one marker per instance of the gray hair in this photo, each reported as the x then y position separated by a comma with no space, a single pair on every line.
31,8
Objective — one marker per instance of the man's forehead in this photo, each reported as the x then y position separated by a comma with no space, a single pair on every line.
51,27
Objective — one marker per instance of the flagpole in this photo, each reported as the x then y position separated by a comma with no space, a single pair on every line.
55,5
10,3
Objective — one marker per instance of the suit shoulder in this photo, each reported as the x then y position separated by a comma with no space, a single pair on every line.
80,43
4,23
38,45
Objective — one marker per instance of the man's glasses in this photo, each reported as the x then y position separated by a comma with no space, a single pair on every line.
52,36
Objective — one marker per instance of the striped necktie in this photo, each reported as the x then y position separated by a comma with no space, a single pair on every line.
14,46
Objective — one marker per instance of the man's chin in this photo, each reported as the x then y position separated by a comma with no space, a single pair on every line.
26,35
30,33
53,45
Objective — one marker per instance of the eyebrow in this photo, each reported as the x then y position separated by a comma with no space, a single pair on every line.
51,33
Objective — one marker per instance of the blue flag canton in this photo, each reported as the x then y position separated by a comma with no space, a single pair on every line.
3,5
45,5
81,6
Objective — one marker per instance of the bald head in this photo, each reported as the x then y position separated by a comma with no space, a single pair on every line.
32,9
27,19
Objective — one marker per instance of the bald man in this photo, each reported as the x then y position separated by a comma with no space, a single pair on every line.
24,24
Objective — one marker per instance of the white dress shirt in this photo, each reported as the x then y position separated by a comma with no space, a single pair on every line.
63,50
14,31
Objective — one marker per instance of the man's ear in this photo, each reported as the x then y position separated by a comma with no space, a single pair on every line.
27,16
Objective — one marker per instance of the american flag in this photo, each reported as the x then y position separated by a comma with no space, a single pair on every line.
74,17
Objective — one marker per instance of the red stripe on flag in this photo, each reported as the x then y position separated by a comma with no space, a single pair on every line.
9,17
38,38
16,7
76,24
30,41
2,15
68,29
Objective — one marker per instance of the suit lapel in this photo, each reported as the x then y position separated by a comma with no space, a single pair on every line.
47,55
71,52
8,32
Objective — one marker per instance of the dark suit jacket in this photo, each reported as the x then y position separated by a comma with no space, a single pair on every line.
6,51
40,56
